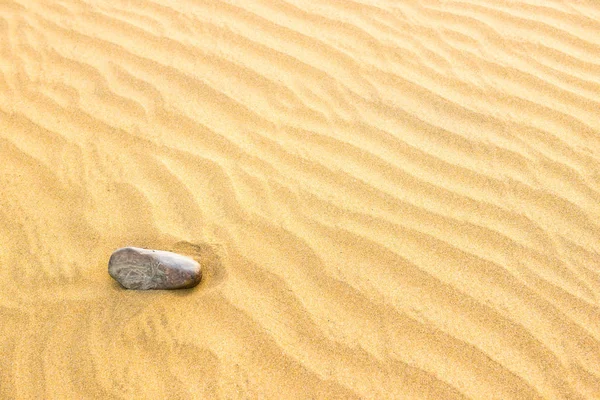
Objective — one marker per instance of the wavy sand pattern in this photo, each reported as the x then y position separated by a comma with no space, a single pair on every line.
391,199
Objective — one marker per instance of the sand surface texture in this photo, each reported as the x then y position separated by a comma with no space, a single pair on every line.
390,199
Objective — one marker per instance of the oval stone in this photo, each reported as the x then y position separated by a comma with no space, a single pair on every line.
144,269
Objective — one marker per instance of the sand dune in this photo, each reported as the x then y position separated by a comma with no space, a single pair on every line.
390,199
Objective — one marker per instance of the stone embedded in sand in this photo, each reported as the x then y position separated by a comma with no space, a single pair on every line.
144,269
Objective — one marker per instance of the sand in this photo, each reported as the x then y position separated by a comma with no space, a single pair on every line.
390,199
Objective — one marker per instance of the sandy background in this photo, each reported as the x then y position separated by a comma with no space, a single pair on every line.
390,199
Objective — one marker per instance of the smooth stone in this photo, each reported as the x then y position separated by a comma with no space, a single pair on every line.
144,269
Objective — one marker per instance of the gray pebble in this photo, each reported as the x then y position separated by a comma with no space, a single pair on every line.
144,269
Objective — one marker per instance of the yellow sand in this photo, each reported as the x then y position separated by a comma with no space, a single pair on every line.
390,199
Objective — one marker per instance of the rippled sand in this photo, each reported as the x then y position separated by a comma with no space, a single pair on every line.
390,199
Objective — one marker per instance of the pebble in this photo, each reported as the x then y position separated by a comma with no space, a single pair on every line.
144,269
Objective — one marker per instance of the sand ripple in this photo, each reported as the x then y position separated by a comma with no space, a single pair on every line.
390,199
